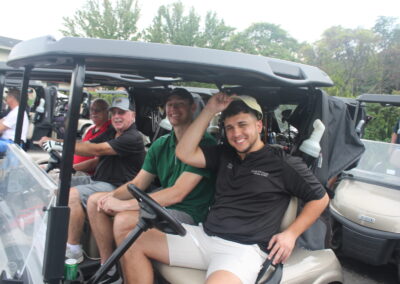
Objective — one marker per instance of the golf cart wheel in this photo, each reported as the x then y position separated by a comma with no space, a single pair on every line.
336,241
398,266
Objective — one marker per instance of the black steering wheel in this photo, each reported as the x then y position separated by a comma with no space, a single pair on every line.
155,214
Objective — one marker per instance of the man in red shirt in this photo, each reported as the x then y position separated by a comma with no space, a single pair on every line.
99,116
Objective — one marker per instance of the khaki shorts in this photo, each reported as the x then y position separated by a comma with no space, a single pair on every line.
86,187
200,251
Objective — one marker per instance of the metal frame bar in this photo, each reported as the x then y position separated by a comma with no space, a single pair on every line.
57,231
71,124
2,85
22,105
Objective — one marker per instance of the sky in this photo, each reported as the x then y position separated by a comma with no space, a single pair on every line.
304,20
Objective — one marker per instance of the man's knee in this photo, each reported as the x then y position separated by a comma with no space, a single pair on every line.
124,222
74,197
93,199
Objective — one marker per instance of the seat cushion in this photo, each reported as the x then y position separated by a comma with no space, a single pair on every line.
303,266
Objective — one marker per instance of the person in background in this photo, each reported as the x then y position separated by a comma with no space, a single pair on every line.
99,116
8,123
396,133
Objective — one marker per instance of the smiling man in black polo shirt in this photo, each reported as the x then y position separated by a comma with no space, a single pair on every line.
254,185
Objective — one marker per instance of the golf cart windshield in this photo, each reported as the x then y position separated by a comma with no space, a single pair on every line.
379,164
25,190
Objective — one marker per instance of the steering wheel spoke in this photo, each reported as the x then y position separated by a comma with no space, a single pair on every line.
155,215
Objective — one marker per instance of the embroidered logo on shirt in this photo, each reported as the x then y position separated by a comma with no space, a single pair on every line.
259,173
229,166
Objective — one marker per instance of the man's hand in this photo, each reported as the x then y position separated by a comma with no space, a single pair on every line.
112,205
42,141
218,102
103,200
53,145
281,246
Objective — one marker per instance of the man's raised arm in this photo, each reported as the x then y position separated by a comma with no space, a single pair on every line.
188,150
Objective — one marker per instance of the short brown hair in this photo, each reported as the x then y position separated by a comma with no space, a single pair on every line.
182,93
15,93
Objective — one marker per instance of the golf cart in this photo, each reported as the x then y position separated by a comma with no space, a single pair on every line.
288,93
366,206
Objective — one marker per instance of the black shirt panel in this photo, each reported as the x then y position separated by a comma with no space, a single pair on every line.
252,195
212,155
123,167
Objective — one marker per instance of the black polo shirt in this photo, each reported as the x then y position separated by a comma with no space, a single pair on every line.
123,167
252,195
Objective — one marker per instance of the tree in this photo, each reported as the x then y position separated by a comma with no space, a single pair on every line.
265,39
99,19
349,57
215,33
381,126
388,31
171,25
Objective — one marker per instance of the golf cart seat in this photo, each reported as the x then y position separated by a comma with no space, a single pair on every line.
303,266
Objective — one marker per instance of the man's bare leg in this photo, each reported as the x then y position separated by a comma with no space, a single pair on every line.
223,276
124,222
152,244
101,226
76,217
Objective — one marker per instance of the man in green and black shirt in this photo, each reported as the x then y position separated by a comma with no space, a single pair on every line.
187,191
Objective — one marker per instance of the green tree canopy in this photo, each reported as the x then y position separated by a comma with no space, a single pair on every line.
172,25
265,39
381,126
349,57
388,31
215,33
100,19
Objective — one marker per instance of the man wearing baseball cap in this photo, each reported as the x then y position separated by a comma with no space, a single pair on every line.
254,185
120,154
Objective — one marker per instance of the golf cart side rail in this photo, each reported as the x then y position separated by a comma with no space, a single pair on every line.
380,98
64,75
190,63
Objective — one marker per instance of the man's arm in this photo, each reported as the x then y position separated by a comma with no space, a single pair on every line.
282,244
188,150
45,139
186,182
120,199
2,126
94,149
394,138
86,166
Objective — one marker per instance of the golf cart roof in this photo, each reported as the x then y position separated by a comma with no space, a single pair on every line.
380,98
165,62
91,78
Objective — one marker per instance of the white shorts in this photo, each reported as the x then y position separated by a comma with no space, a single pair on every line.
200,251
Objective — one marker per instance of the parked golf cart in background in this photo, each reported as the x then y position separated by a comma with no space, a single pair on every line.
288,93
366,206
